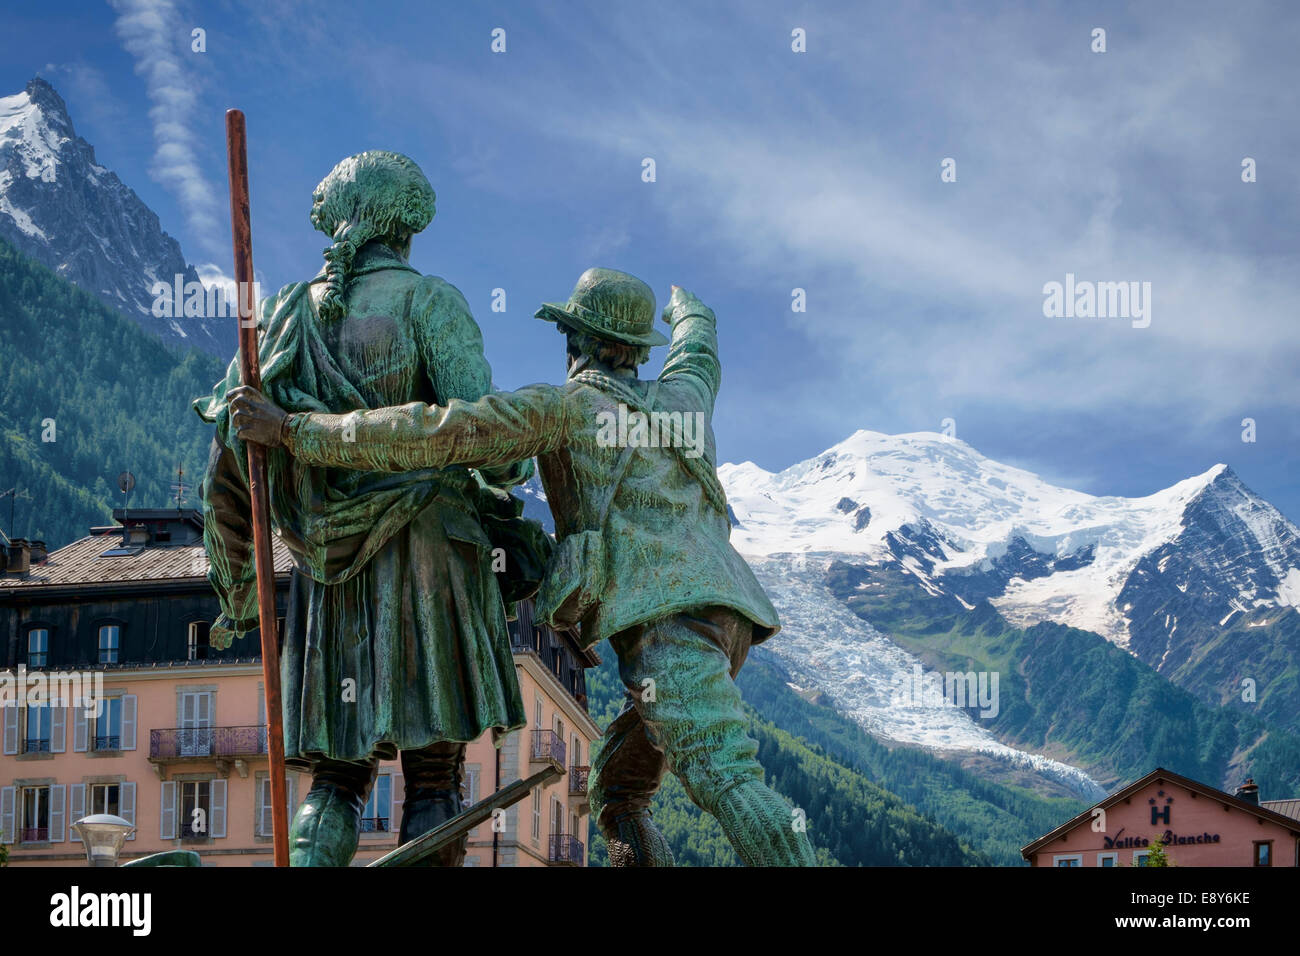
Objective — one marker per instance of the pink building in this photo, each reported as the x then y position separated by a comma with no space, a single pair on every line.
179,746
1199,826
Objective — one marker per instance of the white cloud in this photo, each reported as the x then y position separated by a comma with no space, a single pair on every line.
150,31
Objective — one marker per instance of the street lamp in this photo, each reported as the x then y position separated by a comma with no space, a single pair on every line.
103,834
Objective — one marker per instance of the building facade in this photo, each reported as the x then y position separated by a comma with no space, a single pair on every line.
115,703
1197,825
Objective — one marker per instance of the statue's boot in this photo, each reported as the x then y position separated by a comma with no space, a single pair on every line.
326,828
424,811
432,777
761,826
632,839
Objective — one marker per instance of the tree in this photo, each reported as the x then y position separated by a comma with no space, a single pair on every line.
1156,855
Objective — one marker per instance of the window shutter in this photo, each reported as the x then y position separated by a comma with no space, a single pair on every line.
291,793
126,804
264,806
399,786
81,729
58,727
58,794
128,722
76,802
167,811
7,796
217,820
10,716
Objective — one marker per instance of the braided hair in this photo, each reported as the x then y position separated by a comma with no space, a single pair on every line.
372,195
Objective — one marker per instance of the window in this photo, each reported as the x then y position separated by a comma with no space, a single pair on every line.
1264,853
1107,859
537,713
374,818
35,824
196,809
108,725
1140,858
39,722
1067,861
537,814
110,636
196,723
469,791
38,647
197,645
105,798
576,759
557,817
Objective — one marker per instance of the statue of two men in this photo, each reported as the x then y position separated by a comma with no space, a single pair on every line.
643,556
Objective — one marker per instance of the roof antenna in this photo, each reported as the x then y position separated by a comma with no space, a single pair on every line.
125,481
178,486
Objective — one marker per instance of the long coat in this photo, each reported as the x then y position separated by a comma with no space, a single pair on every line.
666,534
396,633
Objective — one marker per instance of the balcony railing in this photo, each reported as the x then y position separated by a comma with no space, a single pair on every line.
578,780
565,849
34,834
108,742
548,747
374,824
181,743
36,747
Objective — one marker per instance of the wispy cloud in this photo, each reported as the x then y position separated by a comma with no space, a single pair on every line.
151,30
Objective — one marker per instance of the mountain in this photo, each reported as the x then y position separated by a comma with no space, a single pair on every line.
59,206
86,394
1199,581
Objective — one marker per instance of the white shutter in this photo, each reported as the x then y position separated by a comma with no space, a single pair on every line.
399,803
217,818
7,797
10,717
81,729
76,802
128,722
291,793
264,806
126,804
58,727
167,811
58,794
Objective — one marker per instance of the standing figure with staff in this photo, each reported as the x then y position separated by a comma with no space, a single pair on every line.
395,640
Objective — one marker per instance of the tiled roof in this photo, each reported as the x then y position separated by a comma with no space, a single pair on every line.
82,562
1288,808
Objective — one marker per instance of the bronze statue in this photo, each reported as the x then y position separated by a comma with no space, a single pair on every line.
643,555
395,639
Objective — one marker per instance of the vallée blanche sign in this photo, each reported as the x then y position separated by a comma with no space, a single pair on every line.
1159,814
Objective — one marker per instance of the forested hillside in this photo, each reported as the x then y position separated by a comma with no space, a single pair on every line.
112,397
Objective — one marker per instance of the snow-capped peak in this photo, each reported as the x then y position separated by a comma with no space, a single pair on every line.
865,494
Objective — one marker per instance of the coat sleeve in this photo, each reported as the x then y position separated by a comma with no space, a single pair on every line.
228,538
457,368
692,366
498,429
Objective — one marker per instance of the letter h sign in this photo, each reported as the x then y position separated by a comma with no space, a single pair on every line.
1160,815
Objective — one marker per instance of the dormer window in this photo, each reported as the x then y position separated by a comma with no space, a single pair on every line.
197,647
38,647
110,636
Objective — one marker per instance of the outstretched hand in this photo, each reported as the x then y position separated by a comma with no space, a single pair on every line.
254,417
682,303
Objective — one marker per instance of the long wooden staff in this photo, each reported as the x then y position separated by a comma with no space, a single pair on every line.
251,374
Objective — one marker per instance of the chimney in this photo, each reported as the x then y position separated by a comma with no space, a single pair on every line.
39,552
1248,792
137,535
20,556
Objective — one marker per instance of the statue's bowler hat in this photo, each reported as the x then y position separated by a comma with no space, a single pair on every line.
611,305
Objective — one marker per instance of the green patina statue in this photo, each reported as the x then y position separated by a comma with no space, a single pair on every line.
395,637
643,555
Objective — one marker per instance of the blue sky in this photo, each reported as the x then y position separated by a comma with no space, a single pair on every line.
779,170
